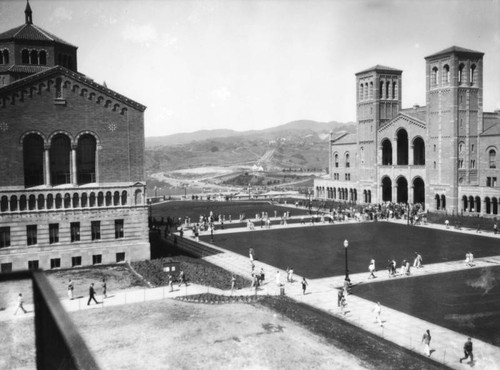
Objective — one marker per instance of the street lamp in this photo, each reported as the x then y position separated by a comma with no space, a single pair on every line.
346,244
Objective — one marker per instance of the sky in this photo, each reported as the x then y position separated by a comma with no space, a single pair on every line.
245,65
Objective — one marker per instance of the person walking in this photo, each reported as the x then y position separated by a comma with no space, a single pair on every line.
417,263
468,351
340,295
495,228
70,289
92,294
170,283
378,310
20,303
371,268
233,283
104,288
426,339
304,285
343,304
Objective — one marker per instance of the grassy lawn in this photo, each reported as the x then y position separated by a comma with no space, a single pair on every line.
464,301
316,252
274,334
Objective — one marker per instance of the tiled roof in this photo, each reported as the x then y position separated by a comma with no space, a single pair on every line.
345,138
27,68
380,68
30,32
454,49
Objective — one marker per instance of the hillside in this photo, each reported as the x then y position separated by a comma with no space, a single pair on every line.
298,145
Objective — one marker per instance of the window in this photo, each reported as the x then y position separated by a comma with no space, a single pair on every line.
491,182
33,265
472,148
55,263
25,57
347,163
96,230
472,163
6,267
460,163
435,76
4,237
31,233
446,74
472,72
336,160
97,259
120,257
75,232
118,229
492,158
53,233
461,73
434,164
76,261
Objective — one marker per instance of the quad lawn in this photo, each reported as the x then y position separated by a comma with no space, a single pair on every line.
318,252
193,209
465,301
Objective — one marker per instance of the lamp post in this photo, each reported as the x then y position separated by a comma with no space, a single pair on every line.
346,244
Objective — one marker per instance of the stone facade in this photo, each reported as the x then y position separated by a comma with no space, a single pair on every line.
443,156
72,190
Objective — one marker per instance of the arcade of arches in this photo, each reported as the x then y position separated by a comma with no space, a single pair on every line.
404,151
60,161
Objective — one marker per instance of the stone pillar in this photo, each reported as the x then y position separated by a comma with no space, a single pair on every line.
411,158
395,151
97,177
46,165
73,175
394,194
411,191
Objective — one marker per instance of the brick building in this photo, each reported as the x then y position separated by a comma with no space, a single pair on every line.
72,188
443,155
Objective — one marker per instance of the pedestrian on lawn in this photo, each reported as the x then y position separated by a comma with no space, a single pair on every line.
233,283
70,289
343,304
304,285
290,275
468,351
426,339
92,294
340,295
371,268
20,303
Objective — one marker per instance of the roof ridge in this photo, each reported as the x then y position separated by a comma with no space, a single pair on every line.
43,32
19,30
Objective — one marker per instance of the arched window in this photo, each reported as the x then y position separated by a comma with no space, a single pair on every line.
402,150
418,151
1,56
443,201
100,199
367,92
32,202
50,201
394,90
60,151
34,57
381,90
76,200
108,198
461,73
347,161
25,56
41,202
387,90
33,160
138,197
22,203
43,57
371,90
472,76
492,158
58,201
446,74
67,200
361,92
84,200
435,76
336,160
116,198
92,200
4,204
124,198
85,159
13,203
386,152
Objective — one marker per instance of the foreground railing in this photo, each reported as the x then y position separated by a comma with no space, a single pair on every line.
58,343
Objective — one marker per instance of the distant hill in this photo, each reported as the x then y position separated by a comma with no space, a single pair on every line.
298,145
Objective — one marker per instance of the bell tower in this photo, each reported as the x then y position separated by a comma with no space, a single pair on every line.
454,94
378,100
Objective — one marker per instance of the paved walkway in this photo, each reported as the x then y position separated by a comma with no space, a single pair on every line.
398,327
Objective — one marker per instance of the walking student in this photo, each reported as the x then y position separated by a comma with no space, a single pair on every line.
20,302
378,310
92,294
468,351
104,288
70,289
426,339
304,285
371,268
